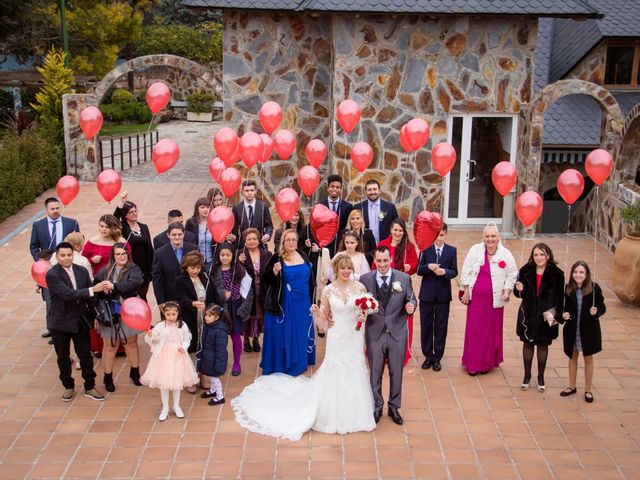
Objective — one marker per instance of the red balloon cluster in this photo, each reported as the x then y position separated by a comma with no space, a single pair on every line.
504,177
220,222
267,147
270,116
229,181
109,184
91,121
308,179
284,143
158,96
599,164
361,156
348,115
216,167
443,158
165,155
39,272
324,224
529,208
316,152
417,133
136,314
225,142
570,185
251,149
287,203
426,228
67,189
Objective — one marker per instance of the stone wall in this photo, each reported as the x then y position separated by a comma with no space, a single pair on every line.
396,68
592,67
549,173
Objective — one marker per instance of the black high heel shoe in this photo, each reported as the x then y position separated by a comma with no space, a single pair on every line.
134,375
108,382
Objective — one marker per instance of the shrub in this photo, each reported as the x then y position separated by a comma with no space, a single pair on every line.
132,112
6,103
631,214
202,44
122,95
199,103
29,165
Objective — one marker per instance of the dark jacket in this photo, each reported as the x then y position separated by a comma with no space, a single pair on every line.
275,288
68,305
244,310
165,270
531,326
437,288
265,255
344,209
185,294
386,208
127,287
590,333
261,220
141,246
211,359
162,239
41,238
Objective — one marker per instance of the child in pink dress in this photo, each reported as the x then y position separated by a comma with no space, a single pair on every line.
170,367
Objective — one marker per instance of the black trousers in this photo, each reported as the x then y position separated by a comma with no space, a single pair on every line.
82,345
434,320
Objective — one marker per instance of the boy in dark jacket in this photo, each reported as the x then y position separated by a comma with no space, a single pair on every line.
211,359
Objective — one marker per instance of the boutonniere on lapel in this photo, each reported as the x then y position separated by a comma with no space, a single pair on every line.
396,287
381,215
502,264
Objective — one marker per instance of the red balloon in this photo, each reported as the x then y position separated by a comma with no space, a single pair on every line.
158,95
417,133
287,203
270,116
136,314
308,179
324,224
404,141
229,181
91,121
361,156
348,115
216,167
316,152
570,185
165,155
426,228
529,208
267,147
39,272
504,177
220,222
109,184
67,189
284,144
251,149
443,158
225,142
599,165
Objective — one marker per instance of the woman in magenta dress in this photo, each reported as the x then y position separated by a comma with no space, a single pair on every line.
488,275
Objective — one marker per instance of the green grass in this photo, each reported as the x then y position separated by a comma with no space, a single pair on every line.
124,129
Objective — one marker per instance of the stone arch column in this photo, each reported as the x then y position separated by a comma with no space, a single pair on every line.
629,161
82,154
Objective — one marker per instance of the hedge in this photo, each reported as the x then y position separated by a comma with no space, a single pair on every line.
132,112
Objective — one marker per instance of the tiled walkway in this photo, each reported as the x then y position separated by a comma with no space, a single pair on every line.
456,426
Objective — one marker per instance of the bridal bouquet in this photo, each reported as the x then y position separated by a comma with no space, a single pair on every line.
366,305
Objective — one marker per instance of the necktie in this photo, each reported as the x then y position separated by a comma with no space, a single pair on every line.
250,216
384,287
54,233
437,255
72,277
333,206
179,254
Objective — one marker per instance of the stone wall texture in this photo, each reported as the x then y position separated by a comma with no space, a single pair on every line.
592,67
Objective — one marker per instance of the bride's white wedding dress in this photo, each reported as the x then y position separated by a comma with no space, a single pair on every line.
336,399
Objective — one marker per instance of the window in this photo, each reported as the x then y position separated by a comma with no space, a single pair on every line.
622,65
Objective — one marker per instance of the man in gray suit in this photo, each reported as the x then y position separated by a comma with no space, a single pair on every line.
386,331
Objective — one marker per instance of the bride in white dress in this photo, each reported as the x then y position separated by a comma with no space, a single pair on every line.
338,397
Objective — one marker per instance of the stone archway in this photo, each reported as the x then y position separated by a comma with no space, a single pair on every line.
629,152
81,154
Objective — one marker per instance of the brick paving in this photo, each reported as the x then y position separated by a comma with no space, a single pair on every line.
456,426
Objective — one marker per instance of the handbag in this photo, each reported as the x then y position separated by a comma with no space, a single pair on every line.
103,314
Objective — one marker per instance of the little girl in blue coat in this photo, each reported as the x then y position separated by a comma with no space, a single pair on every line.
211,359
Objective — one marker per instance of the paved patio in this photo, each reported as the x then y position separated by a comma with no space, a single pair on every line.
456,426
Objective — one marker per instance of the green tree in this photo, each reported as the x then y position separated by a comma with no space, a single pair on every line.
202,44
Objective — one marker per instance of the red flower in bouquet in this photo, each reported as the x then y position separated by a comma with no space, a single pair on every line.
366,305
502,264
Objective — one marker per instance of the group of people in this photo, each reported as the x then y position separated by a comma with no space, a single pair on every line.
208,292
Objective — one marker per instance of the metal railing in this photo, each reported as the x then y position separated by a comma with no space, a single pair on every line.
120,153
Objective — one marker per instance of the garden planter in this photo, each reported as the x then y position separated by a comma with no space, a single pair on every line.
626,270
199,117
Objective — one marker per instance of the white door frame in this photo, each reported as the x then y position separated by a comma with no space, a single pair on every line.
463,158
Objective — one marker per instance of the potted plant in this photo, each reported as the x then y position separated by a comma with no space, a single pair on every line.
626,267
199,107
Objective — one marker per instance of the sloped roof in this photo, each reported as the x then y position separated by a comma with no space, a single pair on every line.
478,7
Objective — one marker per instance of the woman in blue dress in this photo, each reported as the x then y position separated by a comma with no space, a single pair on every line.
288,343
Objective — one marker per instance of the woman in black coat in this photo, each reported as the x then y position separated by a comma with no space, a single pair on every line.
541,286
212,355
584,305
355,222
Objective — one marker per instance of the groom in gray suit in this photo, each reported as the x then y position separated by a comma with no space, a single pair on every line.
386,331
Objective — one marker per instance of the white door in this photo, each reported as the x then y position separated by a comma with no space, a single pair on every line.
480,142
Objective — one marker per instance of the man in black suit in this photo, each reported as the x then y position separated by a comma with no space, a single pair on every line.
162,238
335,203
438,265
378,214
70,289
46,234
251,212
166,263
